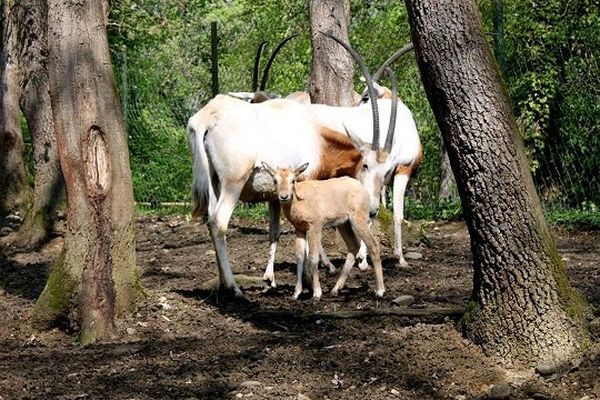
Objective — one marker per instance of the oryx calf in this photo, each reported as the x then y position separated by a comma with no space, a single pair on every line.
312,205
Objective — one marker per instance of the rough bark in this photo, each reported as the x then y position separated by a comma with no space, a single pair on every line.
97,277
48,190
15,192
523,309
332,66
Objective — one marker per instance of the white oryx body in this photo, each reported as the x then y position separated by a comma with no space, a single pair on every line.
230,138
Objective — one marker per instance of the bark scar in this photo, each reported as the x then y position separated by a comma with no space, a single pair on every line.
96,163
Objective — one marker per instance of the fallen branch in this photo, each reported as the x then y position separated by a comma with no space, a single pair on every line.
433,313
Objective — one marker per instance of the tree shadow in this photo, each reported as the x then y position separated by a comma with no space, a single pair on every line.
26,280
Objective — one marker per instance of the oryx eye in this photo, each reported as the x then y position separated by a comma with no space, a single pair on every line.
365,167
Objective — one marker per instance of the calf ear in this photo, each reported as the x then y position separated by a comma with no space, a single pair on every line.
268,168
301,169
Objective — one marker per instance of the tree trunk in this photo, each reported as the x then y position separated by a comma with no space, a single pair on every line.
15,192
523,308
48,191
97,277
331,77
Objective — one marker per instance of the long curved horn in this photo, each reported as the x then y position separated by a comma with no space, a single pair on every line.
370,88
408,47
265,76
256,65
392,128
393,58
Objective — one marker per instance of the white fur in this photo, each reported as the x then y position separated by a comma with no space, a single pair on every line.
406,145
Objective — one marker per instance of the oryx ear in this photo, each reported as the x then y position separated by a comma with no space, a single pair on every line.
379,89
301,169
268,168
357,141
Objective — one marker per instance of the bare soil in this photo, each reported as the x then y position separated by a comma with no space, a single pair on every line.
188,342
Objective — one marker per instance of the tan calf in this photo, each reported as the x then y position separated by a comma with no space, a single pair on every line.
312,205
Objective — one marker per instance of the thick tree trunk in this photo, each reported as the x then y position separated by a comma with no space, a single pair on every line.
523,309
332,66
97,276
48,191
15,191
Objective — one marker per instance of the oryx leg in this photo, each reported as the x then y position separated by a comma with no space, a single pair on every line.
274,215
361,228
363,264
301,257
217,226
400,182
353,244
384,196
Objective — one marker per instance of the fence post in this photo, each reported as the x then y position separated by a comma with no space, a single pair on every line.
214,57
124,88
499,34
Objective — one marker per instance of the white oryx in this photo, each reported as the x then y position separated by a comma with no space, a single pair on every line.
230,138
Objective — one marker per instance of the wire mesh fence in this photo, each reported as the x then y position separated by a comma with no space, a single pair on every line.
158,99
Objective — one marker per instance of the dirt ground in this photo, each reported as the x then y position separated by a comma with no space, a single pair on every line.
186,342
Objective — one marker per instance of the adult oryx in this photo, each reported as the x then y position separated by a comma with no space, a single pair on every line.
230,138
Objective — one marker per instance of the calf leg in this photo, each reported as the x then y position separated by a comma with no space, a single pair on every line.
325,260
361,227
274,214
352,243
314,243
300,259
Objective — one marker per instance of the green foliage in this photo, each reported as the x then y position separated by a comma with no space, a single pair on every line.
587,217
253,212
161,53
553,78
445,210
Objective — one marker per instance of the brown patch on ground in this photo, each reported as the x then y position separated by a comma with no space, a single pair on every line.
185,342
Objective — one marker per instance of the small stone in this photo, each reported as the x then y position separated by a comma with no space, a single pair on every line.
540,396
413,255
575,364
585,398
130,331
395,392
250,384
404,300
499,392
546,369
5,231
302,397
595,328
210,253
460,396
239,395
